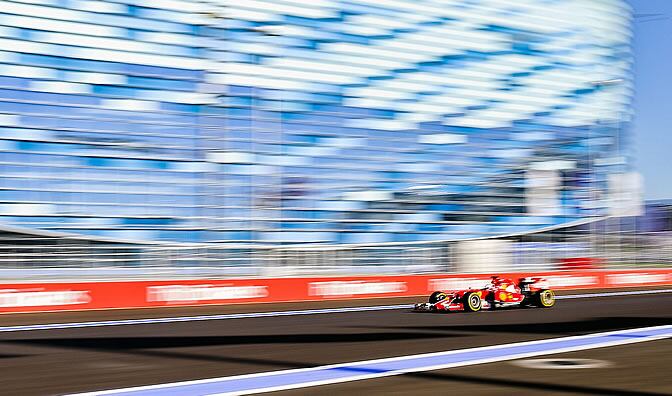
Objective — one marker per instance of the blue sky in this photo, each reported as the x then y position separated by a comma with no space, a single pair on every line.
653,97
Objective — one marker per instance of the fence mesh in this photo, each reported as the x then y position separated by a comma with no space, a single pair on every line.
49,258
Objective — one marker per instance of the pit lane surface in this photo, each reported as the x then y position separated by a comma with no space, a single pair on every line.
88,359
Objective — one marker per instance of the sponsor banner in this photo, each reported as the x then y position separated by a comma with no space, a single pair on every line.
203,293
60,297
143,294
574,281
40,297
629,279
354,288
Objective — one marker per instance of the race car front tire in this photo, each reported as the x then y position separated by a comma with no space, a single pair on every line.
437,296
544,298
472,302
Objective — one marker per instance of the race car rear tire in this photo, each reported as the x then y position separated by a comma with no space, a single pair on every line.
437,296
544,298
472,302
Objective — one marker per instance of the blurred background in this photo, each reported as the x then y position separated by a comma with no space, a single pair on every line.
179,138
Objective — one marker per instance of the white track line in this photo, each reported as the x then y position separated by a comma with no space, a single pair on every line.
361,370
177,319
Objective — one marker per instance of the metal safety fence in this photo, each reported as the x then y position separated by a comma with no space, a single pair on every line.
46,258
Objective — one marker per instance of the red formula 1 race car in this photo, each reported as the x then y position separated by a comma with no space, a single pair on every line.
498,293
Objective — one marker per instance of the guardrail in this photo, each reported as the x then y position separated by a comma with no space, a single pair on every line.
47,258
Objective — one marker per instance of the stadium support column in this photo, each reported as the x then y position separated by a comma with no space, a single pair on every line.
483,256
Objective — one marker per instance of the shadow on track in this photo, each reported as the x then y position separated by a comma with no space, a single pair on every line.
561,328
171,347
128,343
6,356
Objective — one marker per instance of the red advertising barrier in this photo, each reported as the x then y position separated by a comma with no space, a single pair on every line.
108,295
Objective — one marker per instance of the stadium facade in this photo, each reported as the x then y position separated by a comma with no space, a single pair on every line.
321,121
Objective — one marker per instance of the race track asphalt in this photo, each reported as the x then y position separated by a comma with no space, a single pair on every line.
54,362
